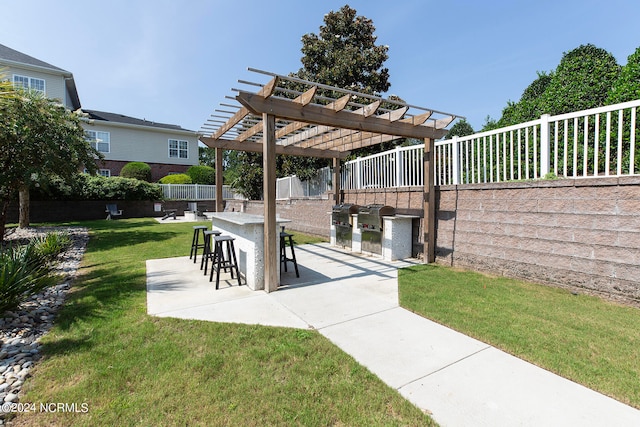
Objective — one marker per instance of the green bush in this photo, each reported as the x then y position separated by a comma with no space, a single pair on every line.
95,187
23,272
205,175
176,178
136,170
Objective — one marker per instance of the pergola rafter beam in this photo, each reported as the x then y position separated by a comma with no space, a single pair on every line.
266,91
321,115
303,100
257,147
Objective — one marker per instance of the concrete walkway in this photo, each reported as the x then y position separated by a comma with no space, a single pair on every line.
353,301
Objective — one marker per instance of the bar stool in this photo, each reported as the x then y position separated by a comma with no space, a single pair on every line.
195,241
208,253
220,263
283,251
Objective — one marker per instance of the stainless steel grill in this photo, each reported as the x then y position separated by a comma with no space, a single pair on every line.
371,226
341,218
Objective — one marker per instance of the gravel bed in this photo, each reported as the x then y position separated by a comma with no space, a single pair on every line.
21,330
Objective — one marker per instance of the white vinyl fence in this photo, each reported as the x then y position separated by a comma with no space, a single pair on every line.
598,142
195,192
292,187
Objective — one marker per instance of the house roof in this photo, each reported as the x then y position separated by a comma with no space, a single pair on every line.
121,118
13,55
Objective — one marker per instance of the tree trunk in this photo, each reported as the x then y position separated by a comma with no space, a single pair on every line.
23,196
3,219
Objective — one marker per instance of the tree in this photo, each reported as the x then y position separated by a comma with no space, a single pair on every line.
582,81
530,106
344,54
627,86
207,156
38,136
460,128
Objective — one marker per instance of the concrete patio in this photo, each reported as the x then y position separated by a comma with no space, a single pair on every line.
353,301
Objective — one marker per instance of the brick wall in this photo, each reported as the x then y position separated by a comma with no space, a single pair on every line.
57,211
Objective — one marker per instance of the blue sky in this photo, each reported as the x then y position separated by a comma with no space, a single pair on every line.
175,61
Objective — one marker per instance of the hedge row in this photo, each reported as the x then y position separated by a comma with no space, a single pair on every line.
94,187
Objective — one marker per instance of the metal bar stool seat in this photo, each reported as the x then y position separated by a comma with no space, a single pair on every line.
220,263
209,253
195,241
284,236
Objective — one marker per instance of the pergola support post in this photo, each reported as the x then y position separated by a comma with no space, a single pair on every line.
429,221
271,258
219,180
336,181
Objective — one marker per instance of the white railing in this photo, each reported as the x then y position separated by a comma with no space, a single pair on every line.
597,142
195,192
400,167
291,186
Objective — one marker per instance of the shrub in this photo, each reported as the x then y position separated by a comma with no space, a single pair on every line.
95,187
176,178
205,175
136,170
23,272
119,188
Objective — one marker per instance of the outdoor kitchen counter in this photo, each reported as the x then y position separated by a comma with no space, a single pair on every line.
248,231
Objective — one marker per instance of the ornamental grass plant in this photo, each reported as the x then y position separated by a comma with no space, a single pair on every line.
26,270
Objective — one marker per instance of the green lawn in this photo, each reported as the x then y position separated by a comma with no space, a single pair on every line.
134,369
590,341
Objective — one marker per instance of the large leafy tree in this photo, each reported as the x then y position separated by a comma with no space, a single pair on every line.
530,106
38,137
460,128
582,80
343,54
627,86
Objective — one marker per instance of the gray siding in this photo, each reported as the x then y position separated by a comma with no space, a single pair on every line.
54,83
151,145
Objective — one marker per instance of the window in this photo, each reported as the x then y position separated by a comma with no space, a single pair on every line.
101,141
105,172
178,149
29,83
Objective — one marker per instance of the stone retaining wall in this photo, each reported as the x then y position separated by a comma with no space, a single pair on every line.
583,233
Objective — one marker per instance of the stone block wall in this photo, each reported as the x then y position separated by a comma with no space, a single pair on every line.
580,233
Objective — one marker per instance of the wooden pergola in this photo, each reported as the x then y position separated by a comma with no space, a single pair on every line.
318,121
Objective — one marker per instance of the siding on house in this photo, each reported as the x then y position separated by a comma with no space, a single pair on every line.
144,144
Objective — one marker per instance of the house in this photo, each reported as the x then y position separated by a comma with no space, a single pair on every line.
121,139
